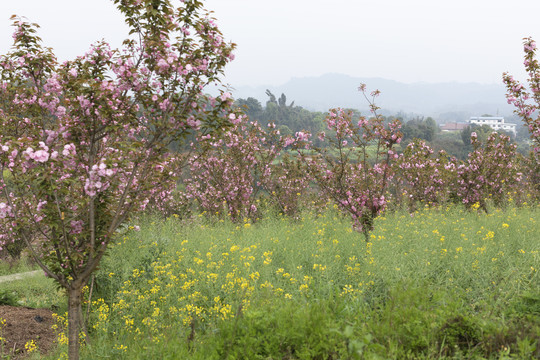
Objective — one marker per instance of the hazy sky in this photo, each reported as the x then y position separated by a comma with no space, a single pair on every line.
408,41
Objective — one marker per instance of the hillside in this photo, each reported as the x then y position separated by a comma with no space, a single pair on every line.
443,100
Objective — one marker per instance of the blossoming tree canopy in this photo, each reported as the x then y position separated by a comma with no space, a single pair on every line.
527,103
85,143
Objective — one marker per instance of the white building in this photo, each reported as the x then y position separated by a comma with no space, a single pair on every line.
494,122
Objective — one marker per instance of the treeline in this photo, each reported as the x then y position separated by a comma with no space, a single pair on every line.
290,118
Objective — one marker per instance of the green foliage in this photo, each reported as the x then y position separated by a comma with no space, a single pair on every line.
451,143
252,107
13,250
481,131
458,333
23,264
419,128
8,298
288,118
298,331
528,303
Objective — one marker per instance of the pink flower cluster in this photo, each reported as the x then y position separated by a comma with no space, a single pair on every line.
4,210
41,155
98,179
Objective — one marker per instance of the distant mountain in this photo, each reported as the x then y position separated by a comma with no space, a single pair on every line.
444,101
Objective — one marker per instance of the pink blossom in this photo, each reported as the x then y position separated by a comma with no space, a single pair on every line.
29,153
234,119
301,136
60,111
162,64
530,46
41,204
41,156
68,149
288,141
4,209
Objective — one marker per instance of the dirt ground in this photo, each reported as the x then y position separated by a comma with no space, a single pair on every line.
22,325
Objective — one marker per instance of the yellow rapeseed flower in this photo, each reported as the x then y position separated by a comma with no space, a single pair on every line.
30,346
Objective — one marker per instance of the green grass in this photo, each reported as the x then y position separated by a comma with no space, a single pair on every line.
439,284
13,267
34,292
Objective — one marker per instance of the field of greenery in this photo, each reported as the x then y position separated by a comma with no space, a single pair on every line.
437,284
311,242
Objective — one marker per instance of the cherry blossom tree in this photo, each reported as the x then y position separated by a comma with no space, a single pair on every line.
489,173
422,177
354,168
85,143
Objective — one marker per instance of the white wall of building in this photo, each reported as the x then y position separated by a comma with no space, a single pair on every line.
495,122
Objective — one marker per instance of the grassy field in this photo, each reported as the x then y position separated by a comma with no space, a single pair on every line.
437,284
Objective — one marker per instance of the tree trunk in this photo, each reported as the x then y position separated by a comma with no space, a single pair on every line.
74,321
